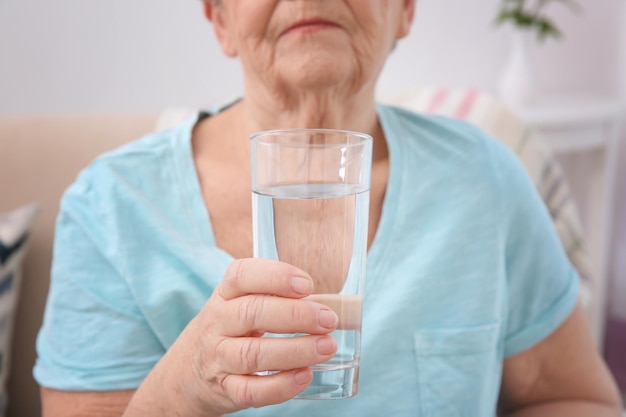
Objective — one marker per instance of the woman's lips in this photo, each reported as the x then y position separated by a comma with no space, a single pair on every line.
310,25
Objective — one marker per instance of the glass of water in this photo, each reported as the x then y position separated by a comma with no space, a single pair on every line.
310,203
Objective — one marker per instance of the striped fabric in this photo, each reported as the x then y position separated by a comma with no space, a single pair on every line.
486,112
14,231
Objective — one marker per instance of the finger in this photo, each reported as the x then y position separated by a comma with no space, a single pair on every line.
257,391
262,313
348,307
264,276
247,355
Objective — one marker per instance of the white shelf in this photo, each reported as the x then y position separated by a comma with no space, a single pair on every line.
587,126
572,111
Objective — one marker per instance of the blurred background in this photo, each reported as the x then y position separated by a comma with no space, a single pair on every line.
146,56
137,55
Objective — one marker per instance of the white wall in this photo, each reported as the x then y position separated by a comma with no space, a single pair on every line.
72,55
622,50
81,55
454,42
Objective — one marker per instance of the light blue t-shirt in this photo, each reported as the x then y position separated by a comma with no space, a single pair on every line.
465,270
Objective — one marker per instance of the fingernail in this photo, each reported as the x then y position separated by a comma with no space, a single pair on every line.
328,319
301,285
325,345
303,377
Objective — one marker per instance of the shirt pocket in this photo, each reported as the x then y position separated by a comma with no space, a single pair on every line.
458,370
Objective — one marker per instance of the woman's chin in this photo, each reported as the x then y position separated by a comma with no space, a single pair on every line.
317,74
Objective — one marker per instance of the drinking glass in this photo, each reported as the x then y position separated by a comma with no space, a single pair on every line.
310,203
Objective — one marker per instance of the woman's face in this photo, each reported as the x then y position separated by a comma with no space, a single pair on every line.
311,44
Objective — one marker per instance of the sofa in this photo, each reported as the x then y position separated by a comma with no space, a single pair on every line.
39,157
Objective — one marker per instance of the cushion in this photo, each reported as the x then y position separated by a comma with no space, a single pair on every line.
14,231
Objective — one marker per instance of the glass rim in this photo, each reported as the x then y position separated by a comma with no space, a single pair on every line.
363,138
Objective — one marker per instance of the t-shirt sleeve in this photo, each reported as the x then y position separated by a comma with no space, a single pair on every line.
542,285
94,336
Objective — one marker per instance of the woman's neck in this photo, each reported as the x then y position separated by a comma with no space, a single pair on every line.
334,103
325,108
254,114
321,110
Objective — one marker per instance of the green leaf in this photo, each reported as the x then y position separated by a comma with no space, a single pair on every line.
529,15
524,19
546,29
504,16
574,6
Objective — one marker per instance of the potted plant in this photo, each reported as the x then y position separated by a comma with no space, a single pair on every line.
528,18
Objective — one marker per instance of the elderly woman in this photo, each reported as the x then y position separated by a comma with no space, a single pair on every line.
470,302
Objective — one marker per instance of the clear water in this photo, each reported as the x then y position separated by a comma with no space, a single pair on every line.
322,229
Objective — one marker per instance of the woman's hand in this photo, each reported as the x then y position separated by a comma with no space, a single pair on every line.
213,362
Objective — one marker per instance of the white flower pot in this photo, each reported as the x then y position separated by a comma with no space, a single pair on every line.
518,81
